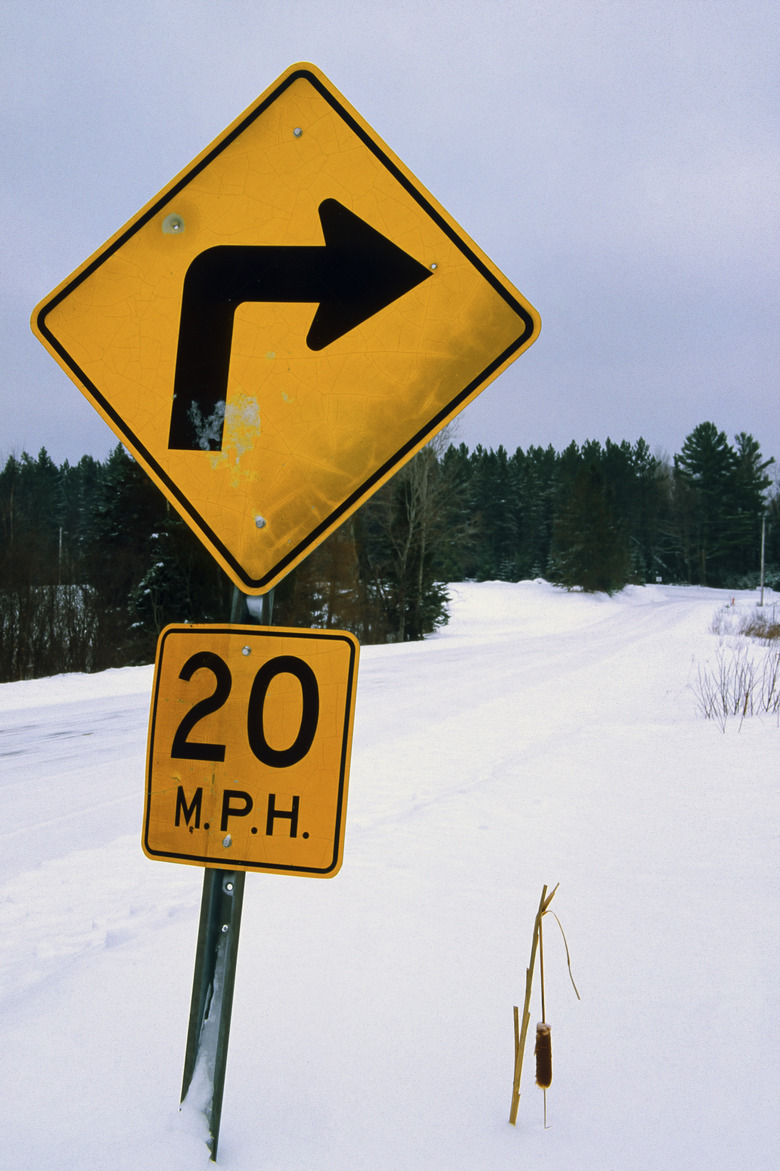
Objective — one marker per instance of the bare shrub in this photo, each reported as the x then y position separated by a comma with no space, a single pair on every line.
740,684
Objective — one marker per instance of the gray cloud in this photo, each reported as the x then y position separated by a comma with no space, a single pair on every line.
620,163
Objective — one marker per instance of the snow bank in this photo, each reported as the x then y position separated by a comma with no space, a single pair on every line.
541,737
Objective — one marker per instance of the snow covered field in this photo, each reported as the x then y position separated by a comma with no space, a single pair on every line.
541,737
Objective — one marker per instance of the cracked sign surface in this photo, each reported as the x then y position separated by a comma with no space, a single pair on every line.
283,326
250,736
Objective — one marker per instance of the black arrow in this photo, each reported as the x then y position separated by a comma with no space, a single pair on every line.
357,272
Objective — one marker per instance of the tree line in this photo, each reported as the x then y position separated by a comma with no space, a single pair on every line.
94,562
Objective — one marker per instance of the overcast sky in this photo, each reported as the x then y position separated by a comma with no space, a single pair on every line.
619,162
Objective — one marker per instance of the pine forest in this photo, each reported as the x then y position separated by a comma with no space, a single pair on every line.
94,562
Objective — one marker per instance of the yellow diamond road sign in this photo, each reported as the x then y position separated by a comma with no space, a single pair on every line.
283,326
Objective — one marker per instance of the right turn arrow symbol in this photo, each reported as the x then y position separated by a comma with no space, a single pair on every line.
355,274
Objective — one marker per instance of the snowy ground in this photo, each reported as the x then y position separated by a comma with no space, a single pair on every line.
541,737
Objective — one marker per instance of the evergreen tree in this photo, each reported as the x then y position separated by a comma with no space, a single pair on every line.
499,517
458,537
9,521
536,479
487,498
34,519
632,475
706,465
723,503
751,481
589,547
79,489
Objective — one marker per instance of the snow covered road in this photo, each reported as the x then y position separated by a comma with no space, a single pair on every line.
541,737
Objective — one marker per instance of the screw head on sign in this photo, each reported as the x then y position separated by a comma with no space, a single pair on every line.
172,225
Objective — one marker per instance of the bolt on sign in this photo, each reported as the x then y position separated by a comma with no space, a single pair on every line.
249,746
283,326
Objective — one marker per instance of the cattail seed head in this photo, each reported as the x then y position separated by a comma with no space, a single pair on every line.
543,1052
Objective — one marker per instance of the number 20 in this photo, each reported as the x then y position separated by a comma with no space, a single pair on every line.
185,749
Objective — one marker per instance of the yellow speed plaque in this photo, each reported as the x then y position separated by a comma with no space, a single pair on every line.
249,746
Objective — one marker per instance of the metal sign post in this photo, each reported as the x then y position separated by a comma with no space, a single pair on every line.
212,995
205,1060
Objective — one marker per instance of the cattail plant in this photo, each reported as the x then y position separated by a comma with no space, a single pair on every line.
543,1047
543,1053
